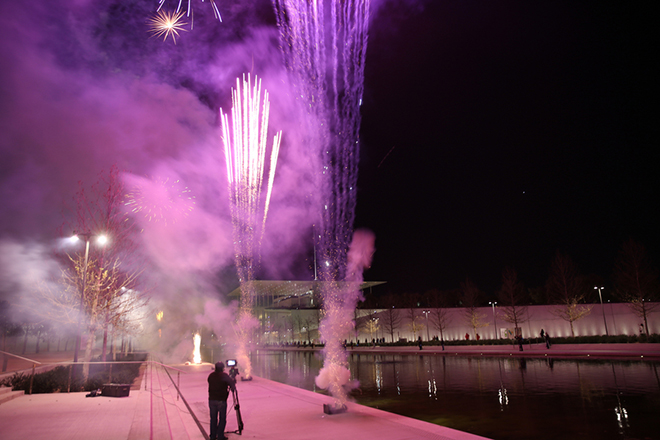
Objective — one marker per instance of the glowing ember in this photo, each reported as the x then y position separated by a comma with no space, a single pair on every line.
197,356
159,316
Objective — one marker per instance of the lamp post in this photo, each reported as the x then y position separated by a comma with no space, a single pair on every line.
426,313
602,309
494,303
102,239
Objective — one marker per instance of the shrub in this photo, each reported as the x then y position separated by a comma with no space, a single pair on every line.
57,379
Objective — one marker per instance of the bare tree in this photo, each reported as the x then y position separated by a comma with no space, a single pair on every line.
470,298
412,301
439,302
565,289
371,324
636,281
9,328
391,316
358,321
297,322
99,288
513,297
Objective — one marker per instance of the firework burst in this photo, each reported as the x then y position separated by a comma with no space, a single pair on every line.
160,200
166,24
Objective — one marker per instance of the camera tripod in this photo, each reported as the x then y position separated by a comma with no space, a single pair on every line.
237,408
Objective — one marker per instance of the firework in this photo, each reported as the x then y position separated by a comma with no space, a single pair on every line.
166,24
160,200
326,56
216,11
197,356
245,144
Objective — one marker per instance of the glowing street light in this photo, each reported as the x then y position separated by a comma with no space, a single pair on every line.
602,309
494,303
101,240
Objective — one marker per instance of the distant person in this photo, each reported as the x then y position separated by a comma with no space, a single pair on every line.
219,385
547,341
478,337
542,334
419,342
520,342
467,336
442,342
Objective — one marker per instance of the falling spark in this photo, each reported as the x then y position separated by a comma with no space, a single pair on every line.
167,23
216,11
324,44
197,356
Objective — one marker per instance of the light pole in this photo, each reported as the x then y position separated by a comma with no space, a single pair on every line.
602,309
102,239
426,313
494,303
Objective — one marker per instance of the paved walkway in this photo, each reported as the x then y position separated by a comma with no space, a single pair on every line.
270,410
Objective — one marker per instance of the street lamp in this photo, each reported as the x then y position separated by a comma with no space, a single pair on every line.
494,303
426,313
602,309
101,239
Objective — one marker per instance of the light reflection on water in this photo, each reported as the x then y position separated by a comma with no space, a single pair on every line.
499,398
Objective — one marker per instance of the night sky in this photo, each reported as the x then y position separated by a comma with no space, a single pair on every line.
493,134
516,129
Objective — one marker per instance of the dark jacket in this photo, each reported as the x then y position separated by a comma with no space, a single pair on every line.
219,385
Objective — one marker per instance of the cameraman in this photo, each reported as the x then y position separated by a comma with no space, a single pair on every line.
219,385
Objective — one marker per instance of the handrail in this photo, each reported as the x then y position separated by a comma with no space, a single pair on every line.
21,357
95,362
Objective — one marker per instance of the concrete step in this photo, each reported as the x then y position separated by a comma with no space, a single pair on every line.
6,394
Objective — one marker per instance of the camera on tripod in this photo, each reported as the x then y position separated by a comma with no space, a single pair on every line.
233,368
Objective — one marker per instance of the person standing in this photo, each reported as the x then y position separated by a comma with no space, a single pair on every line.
219,385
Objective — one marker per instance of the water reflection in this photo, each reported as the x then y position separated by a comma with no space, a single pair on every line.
499,398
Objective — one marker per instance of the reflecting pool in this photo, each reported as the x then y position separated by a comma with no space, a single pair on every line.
497,397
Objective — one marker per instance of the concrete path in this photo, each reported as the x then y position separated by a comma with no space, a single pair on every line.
270,410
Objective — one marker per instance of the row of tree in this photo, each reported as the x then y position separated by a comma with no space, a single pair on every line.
635,282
